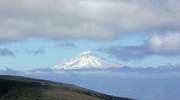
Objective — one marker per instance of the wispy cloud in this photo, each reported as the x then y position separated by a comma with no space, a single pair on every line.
39,51
66,44
6,52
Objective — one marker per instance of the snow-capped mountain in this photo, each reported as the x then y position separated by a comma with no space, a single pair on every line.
85,60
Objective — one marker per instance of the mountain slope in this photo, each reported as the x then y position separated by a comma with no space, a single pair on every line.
85,60
21,88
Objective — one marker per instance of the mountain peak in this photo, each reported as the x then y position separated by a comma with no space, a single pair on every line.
85,60
86,53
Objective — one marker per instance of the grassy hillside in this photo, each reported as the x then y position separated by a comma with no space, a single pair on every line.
21,88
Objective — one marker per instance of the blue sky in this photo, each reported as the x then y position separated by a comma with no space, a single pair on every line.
32,53
54,51
35,34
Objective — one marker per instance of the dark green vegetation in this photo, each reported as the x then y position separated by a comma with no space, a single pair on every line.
21,88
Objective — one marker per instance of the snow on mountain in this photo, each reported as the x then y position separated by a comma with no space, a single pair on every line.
85,60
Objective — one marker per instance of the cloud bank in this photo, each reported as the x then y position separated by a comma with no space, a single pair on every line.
86,18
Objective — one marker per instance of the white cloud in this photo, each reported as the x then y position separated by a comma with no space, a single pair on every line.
165,43
85,18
